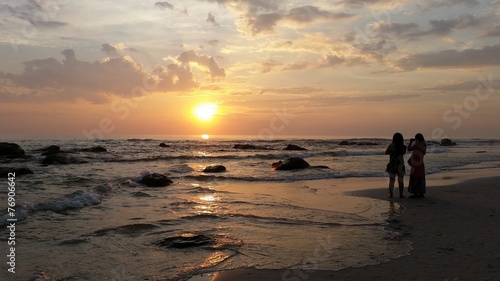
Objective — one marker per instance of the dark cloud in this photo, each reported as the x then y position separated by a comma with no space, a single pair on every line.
445,27
311,13
209,62
249,6
399,29
265,23
213,42
469,58
441,27
378,49
450,3
494,31
338,60
211,19
109,49
363,3
164,5
38,13
262,16
72,79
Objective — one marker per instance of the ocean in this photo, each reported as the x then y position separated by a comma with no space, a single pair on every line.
93,219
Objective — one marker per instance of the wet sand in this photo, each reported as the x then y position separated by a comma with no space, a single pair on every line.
454,231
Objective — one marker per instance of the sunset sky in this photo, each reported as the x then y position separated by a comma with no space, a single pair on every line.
265,68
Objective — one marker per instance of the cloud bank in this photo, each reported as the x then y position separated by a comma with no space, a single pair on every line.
73,79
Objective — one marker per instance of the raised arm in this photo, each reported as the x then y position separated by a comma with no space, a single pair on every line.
389,149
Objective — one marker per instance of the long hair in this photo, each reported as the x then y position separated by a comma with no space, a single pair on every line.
420,138
398,141
420,141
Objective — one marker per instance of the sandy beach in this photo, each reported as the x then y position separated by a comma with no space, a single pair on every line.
454,232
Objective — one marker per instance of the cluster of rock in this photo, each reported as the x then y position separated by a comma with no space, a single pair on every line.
54,154
13,151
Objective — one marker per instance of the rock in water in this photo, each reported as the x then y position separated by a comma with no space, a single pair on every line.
214,169
447,142
53,149
61,158
11,150
293,163
249,146
94,149
186,241
156,180
164,145
244,146
293,147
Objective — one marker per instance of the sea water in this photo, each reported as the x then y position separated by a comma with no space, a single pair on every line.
96,221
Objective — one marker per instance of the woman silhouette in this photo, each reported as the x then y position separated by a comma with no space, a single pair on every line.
396,166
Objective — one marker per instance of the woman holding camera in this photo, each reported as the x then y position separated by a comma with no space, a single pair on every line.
418,147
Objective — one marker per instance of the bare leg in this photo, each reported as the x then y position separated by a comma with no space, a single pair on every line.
392,180
401,186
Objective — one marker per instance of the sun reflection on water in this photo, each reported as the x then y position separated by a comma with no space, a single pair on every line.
214,259
207,204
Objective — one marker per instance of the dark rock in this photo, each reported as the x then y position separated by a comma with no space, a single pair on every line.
11,150
214,169
186,241
156,180
53,149
4,171
61,158
141,194
293,147
247,146
292,164
94,149
164,145
244,146
447,142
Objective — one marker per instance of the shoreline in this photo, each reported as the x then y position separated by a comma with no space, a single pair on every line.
453,232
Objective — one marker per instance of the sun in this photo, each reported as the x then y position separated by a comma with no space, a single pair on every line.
205,111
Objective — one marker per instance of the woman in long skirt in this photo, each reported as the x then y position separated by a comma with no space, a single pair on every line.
417,185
